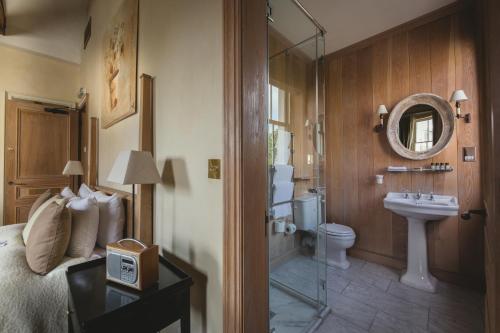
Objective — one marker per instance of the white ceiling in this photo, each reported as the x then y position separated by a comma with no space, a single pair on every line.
351,21
51,27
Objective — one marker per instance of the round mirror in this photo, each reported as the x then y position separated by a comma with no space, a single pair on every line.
420,126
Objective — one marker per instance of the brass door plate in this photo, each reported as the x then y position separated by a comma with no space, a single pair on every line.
214,168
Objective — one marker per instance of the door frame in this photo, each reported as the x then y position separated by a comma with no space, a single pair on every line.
12,100
490,25
245,262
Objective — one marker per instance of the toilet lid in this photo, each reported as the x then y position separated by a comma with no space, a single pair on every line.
338,229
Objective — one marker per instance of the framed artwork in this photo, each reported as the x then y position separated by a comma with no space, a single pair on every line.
120,65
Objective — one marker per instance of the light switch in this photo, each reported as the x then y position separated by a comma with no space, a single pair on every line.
214,168
469,154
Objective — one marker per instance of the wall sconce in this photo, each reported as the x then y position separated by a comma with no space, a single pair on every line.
381,111
459,96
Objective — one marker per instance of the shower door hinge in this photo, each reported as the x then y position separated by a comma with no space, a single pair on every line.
266,222
323,284
269,12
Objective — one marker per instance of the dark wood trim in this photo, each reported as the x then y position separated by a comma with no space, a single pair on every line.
447,10
3,18
490,25
84,139
245,276
93,151
144,202
232,247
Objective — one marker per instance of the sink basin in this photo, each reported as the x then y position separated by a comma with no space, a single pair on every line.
419,210
425,208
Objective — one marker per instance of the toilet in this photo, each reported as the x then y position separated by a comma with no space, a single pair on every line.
338,237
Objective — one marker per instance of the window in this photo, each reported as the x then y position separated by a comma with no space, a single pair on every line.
424,134
278,105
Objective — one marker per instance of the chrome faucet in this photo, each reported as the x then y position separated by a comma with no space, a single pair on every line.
418,195
431,196
407,193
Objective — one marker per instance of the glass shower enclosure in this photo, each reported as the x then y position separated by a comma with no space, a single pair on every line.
296,184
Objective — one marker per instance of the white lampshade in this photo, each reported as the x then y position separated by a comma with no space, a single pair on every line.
73,168
134,167
382,110
458,96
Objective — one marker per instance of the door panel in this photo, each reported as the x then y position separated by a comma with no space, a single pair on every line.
42,140
38,144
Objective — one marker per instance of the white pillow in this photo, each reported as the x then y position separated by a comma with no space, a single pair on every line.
85,191
67,193
111,218
84,226
34,217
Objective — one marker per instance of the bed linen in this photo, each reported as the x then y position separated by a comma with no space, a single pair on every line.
30,302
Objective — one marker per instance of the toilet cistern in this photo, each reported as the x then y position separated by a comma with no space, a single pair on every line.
419,208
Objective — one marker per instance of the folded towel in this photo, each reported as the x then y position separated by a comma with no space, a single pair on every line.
282,173
282,146
282,191
397,168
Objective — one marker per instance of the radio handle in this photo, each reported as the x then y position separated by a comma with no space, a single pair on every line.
133,240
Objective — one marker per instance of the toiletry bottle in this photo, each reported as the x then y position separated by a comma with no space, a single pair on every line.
432,166
447,167
441,166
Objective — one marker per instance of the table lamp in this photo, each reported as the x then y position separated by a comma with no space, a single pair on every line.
133,167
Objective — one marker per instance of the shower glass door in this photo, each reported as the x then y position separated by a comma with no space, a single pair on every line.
297,240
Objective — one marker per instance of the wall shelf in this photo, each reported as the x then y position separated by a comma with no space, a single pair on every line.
427,170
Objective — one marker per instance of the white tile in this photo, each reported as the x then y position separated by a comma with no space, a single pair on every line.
352,310
451,318
336,283
385,323
336,324
358,274
382,271
449,298
398,308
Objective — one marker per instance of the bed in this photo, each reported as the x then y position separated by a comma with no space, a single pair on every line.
30,302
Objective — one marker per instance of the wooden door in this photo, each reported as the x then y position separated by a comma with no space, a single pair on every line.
491,166
38,143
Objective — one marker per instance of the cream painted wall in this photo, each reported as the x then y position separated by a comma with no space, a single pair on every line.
180,45
32,74
124,134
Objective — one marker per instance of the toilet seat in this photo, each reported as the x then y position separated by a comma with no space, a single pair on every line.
338,230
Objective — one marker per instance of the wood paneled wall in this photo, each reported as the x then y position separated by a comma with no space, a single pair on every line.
435,56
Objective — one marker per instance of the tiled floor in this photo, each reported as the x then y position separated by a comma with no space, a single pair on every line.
369,298
288,313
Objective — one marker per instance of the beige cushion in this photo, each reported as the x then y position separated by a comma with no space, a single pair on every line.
38,202
49,237
84,226
33,218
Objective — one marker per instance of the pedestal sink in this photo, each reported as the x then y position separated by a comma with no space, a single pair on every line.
418,209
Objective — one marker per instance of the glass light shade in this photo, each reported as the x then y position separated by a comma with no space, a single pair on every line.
382,110
73,168
458,96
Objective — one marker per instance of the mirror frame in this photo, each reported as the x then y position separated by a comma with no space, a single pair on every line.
447,116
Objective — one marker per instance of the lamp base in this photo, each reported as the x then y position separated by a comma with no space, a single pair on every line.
379,128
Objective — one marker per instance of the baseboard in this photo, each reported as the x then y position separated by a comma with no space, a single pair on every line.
376,258
474,283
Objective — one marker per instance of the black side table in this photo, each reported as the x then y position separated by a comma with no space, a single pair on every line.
98,305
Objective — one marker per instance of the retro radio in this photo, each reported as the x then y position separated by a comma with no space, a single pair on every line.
132,263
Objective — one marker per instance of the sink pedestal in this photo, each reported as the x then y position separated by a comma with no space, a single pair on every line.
417,272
